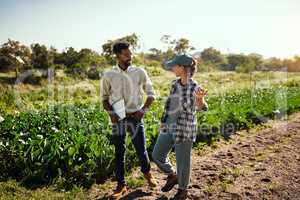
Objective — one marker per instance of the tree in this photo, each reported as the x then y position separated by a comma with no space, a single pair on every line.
296,64
69,57
240,63
292,65
257,59
14,55
90,57
274,64
178,46
175,46
211,55
41,57
155,54
182,45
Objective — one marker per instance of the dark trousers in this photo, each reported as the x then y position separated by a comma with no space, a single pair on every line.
137,132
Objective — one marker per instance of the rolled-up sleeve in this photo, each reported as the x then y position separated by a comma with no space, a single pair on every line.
105,88
147,85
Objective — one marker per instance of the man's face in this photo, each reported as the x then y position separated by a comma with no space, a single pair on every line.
125,57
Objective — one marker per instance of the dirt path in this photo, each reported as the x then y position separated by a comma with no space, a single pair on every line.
255,164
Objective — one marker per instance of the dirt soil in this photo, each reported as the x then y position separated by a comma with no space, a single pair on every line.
260,163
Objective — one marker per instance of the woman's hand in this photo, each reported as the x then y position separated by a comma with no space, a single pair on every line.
161,126
200,93
201,104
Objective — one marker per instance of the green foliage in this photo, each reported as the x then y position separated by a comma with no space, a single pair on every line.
14,56
95,73
211,55
66,141
82,63
7,98
182,45
206,66
41,57
173,46
153,68
242,63
246,67
18,57
75,142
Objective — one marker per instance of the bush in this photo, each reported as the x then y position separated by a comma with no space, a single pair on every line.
59,66
78,70
95,73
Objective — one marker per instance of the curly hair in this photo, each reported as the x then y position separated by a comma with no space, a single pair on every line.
119,46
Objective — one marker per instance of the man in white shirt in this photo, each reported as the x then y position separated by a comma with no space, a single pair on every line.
127,82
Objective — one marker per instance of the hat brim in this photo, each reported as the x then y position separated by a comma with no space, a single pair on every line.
169,65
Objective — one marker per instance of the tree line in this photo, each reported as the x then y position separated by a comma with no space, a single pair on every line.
18,57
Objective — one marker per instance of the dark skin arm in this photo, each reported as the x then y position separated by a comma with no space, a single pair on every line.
140,113
113,116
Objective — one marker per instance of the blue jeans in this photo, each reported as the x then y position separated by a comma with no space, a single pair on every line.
163,146
137,132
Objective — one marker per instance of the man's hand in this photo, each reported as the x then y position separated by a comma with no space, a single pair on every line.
109,109
139,114
114,118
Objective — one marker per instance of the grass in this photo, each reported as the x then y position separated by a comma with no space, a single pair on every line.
135,182
14,190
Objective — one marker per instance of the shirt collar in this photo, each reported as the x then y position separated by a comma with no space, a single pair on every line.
129,69
190,81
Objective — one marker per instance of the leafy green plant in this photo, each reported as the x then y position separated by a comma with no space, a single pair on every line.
73,143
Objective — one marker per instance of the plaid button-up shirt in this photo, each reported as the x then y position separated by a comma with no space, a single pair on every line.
186,127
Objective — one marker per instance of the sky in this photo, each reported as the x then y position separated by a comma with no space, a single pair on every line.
267,27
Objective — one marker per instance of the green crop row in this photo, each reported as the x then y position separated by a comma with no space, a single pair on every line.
74,143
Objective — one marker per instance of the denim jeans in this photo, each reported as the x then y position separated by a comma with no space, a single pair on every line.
164,144
137,132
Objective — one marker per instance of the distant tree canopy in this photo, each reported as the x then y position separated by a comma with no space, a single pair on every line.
211,55
15,56
171,47
41,58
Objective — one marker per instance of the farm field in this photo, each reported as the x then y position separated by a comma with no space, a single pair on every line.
55,136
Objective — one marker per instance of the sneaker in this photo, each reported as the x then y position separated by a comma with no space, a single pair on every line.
181,195
170,183
119,191
151,181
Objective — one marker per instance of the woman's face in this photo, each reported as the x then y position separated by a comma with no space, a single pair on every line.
179,71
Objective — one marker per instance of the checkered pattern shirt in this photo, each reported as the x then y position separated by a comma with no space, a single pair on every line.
186,127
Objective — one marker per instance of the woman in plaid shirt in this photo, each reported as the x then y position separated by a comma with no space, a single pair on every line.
179,124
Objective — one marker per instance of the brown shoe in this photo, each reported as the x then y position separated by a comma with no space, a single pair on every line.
181,195
151,181
119,191
171,182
